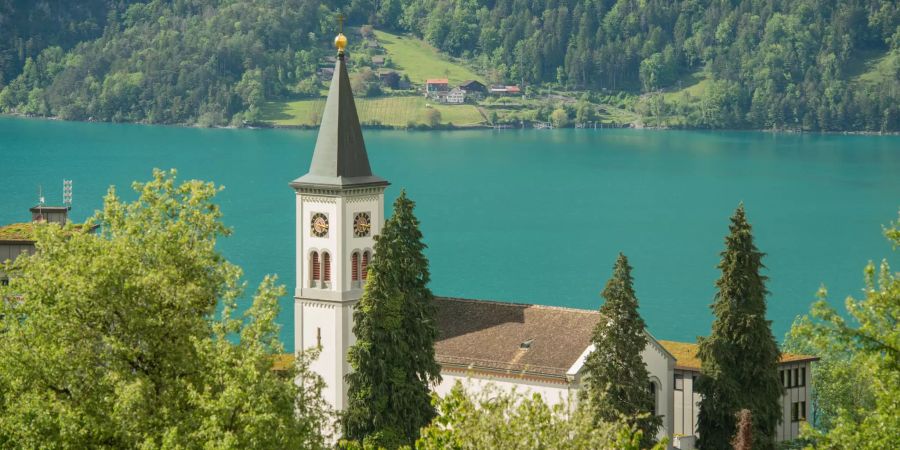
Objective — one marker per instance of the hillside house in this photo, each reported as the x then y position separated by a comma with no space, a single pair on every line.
389,78
473,87
456,96
435,85
505,90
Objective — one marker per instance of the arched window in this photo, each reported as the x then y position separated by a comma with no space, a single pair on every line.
653,393
365,265
315,269
354,266
326,270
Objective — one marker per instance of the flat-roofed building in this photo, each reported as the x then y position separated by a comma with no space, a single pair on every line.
794,370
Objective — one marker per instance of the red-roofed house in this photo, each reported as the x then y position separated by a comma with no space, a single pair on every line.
436,85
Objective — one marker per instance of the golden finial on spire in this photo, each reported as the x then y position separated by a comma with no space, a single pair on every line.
340,41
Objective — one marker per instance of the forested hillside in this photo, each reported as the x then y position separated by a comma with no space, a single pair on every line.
783,64
774,63
182,61
29,26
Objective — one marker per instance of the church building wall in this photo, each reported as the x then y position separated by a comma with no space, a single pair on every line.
553,392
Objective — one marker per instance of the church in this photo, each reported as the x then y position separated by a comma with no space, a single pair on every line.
541,349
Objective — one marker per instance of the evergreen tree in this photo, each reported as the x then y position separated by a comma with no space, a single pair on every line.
617,381
393,358
743,440
740,357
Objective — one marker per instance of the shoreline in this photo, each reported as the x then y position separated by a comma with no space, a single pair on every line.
451,127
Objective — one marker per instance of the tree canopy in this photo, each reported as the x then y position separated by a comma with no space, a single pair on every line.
857,381
498,419
794,64
113,340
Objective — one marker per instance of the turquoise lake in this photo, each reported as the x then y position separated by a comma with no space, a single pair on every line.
524,216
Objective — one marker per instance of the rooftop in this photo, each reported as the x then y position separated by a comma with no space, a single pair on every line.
511,337
23,232
686,355
437,81
339,159
17,232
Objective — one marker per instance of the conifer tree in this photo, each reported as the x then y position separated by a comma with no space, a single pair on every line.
739,367
393,359
743,440
617,382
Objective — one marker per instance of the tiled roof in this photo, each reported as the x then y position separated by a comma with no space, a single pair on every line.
437,81
489,336
686,355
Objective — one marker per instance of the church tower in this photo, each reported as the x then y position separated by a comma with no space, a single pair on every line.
340,207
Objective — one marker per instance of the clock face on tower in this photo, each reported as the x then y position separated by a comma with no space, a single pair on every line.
361,224
319,225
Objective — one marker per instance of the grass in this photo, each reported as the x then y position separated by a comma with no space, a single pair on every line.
612,114
421,61
693,85
390,111
878,68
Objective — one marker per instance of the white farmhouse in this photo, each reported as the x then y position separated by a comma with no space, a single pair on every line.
340,207
456,96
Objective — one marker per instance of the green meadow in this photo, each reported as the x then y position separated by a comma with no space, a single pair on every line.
389,111
420,61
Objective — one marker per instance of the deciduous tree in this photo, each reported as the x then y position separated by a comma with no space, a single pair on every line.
113,340
866,343
497,419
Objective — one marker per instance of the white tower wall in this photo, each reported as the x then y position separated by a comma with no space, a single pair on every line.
323,313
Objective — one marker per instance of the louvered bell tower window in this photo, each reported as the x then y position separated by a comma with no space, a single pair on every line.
315,269
365,265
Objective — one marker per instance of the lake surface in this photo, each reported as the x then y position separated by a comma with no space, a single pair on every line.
525,216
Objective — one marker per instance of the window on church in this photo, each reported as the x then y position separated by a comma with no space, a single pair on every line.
318,337
365,265
326,269
653,394
796,377
354,266
802,376
679,382
315,269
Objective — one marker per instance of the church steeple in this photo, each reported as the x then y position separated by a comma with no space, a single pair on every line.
340,158
340,210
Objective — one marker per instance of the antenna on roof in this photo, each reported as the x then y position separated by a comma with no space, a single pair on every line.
40,195
67,193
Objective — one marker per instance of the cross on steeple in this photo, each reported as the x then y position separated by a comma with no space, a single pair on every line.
340,18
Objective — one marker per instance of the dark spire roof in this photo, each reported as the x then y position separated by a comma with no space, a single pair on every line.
340,158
